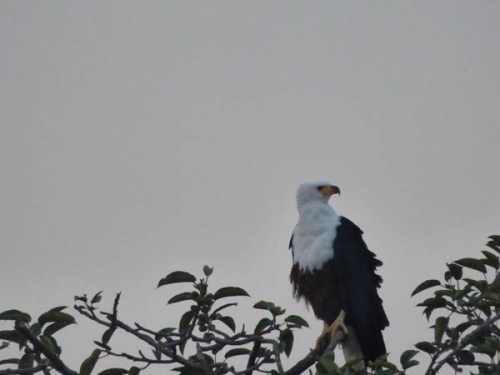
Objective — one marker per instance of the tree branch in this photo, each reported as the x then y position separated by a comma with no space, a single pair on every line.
40,346
463,343
147,339
253,355
314,355
23,371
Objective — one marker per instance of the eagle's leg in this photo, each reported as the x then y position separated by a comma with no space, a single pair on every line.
332,329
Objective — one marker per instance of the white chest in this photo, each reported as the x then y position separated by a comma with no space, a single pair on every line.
313,236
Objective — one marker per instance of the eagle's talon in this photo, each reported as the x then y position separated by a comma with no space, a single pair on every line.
331,330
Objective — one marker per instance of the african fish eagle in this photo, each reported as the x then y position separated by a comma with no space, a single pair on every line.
334,272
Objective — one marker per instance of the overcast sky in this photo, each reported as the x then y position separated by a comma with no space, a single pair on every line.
139,138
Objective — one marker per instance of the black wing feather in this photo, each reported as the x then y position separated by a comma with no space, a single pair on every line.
356,266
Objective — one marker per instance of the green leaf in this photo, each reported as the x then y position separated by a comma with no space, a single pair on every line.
455,270
494,243
286,341
276,311
36,329
463,326
445,292
296,320
491,259
411,363
425,285
263,305
27,360
114,371
13,336
223,307
406,357
269,306
262,324
465,357
134,370
385,364
407,360
186,296
326,365
495,238
230,291
488,347
164,332
177,277
88,365
56,315
81,298
157,353
103,346
54,327
472,263
228,321
97,298
433,303
58,309
188,371
480,285
15,315
235,352
426,347
185,321
208,270
439,328
106,336
51,342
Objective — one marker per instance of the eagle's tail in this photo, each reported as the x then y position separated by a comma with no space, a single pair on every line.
372,344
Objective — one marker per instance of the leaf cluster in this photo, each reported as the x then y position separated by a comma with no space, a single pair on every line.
36,340
467,302
464,310
206,340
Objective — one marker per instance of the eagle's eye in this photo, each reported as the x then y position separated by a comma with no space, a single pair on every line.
320,187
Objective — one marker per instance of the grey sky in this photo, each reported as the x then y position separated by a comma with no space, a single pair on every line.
138,138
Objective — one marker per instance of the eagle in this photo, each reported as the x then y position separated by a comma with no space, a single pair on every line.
334,272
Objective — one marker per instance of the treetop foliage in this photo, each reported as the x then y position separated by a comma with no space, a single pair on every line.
463,309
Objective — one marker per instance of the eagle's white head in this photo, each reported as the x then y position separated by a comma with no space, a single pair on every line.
314,234
316,191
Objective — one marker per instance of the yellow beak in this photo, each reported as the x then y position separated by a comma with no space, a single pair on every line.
329,190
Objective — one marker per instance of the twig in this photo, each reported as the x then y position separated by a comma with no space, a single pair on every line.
253,355
11,361
147,339
22,371
249,370
277,358
51,356
314,355
465,341
142,359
